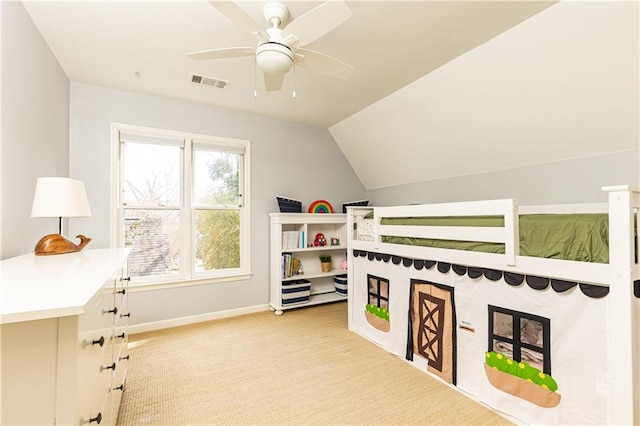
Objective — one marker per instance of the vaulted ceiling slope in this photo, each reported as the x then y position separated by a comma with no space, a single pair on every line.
140,46
562,85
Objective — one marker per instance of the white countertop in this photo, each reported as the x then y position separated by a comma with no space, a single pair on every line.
39,287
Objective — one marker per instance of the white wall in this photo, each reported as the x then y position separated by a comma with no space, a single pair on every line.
561,182
562,85
286,159
35,127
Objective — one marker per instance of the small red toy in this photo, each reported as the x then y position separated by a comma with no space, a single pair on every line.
320,240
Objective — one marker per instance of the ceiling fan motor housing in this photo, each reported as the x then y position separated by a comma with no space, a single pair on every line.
274,58
275,10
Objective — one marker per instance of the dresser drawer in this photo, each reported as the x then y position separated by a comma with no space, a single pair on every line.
94,379
121,287
95,329
101,414
118,385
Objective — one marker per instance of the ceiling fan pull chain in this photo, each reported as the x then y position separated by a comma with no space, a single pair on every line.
294,79
255,78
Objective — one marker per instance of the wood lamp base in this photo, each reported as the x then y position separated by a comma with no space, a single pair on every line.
58,244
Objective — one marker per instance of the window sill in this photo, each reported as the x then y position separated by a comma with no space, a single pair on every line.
133,287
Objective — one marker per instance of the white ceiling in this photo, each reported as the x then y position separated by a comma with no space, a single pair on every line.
140,46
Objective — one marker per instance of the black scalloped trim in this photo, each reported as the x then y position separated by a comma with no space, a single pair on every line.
561,286
444,267
492,274
537,283
594,291
459,269
511,278
475,272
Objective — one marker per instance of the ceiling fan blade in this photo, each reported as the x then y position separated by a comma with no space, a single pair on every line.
273,82
316,23
323,64
231,52
239,17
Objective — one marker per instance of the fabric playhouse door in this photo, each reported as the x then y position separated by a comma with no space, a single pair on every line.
432,329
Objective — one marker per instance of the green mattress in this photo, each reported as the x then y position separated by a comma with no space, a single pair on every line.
579,237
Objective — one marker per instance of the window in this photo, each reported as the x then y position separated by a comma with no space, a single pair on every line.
378,292
521,337
181,204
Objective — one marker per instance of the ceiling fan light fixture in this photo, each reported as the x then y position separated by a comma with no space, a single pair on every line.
274,58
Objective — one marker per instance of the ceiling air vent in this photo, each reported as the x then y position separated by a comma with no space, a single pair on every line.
209,81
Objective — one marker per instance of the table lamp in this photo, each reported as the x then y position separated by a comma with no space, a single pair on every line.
59,197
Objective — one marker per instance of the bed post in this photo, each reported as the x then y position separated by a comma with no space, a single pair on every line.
623,269
351,235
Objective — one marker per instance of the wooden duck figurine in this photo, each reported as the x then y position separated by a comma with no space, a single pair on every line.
57,244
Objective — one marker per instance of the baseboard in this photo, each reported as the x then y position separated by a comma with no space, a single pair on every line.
176,322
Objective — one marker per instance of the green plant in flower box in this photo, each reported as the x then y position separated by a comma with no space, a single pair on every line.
378,311
520,369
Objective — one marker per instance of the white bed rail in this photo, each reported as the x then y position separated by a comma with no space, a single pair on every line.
621,210
506,234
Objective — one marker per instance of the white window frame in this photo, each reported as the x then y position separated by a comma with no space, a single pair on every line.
187,274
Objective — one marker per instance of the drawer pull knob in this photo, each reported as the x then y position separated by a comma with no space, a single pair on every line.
128,314
96,419
100,341
108,367
121,336
122,358
125,279
112,311
120,388
123,291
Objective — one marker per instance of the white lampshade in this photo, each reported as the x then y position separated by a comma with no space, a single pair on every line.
274,58
60,197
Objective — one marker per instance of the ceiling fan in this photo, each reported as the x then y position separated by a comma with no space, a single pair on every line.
279,48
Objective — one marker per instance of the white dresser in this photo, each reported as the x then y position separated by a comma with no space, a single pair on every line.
63,337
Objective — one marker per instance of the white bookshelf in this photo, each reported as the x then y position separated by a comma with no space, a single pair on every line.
321,283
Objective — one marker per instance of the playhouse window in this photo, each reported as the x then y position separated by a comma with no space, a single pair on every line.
378,291
520,336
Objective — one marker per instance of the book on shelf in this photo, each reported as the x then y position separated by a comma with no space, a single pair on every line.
290,239
290,265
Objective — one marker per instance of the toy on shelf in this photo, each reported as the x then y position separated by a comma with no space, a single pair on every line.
320,206
320,240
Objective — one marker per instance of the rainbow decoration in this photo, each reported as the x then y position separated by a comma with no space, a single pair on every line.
320,206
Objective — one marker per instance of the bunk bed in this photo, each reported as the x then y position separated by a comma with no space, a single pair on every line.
533,311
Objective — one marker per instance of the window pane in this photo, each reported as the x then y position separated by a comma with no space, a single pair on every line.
216,178
384,304
217,239
384,290
503,325
153,237
151,175
531,332
503,348
534,358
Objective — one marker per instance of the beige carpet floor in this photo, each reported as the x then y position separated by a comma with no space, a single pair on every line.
301,368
